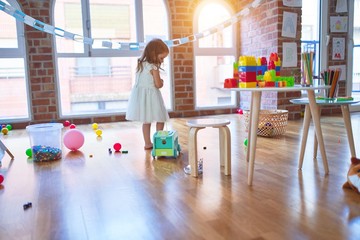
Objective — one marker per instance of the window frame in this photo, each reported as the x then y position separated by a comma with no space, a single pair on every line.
90,51
19,52
223,51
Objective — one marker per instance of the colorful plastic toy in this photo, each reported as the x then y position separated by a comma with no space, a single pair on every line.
261,65
247,72
28,152
117,147
230,83
98,132
95,126
4,130
165,144
66,123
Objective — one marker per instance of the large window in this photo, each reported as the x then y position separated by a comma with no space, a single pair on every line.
214,55
310,32
14,100
96,77
356,49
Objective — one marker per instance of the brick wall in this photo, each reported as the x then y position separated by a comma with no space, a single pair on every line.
260,35
331,62
181,15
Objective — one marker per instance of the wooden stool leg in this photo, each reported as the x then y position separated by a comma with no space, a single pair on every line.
222,146
193,156
306,124
225,149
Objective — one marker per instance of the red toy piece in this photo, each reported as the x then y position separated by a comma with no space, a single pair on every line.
66,123
117,147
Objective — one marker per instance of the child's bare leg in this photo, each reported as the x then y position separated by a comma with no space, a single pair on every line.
146,127
160,126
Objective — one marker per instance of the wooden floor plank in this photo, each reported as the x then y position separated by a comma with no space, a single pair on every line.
91,194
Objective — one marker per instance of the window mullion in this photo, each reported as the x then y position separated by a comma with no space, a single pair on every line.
86,25
139,20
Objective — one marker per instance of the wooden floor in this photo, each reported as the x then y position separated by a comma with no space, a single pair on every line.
91,194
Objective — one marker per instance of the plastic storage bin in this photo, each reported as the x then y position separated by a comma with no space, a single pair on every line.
45,140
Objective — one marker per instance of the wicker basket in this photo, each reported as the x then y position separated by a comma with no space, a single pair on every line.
271,122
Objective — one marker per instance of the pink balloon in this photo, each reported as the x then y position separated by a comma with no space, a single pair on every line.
73,139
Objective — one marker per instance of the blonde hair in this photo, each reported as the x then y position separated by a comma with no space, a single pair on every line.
152,50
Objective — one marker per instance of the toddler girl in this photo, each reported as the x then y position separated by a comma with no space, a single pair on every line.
146,104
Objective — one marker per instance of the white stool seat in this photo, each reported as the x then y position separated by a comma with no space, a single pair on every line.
224,141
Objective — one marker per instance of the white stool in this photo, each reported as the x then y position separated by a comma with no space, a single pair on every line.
224,141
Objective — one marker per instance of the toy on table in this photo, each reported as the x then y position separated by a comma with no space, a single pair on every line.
231,83
234,81
353,176
261,66
247,72
275,61
166,144
252,73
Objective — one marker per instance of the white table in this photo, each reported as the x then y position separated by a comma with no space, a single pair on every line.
344,104
254,119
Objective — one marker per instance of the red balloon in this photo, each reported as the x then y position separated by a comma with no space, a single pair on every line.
117,147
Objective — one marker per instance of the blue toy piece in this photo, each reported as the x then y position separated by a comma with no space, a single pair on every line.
166,144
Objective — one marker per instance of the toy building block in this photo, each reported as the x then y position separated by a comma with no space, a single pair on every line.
247,69
247,84
231,83
261,65
277,63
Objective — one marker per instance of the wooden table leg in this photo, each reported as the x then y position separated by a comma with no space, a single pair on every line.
254,119
316,119
306,125
249,130
315,139
347,121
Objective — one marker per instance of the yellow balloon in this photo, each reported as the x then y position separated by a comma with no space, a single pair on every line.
95,126
98,132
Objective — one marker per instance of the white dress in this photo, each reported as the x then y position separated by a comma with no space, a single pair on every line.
146,103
